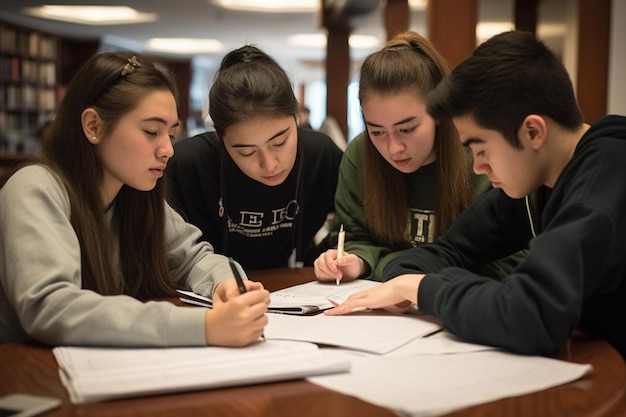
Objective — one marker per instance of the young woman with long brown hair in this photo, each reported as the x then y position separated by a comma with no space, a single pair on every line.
406,178
87,237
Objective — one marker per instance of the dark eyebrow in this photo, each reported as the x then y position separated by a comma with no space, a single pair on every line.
160,120
408,119
472,141
277,134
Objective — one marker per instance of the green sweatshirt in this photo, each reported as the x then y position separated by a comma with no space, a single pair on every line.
359,239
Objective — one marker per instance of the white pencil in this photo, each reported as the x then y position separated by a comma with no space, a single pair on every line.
340,243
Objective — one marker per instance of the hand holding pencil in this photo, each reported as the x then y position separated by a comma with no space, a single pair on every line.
340,244
338,265
240,283
238,314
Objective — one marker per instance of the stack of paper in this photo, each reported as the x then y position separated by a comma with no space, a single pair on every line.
375,332
99,374
419,384
425,370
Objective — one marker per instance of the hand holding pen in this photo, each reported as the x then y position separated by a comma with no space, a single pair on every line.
240,284
340,245
238,314
338,265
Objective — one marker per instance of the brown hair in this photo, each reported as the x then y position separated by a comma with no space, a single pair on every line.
409,62
138,218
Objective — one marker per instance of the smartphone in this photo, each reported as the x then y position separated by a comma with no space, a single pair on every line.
26,405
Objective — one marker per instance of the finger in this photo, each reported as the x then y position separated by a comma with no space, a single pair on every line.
330,260
253,298
346,260
359,295
323,271
253,285
257,312
325,278
232,293
347,307
258,327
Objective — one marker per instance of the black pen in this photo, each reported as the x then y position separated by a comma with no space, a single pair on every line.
240,284
239,279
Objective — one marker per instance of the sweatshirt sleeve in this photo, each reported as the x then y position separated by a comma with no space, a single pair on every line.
193,263
535,309
41,279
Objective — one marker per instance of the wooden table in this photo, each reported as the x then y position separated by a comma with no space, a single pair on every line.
31,368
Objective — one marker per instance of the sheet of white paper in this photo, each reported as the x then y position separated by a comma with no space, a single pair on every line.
323,295
99,374
312,297
375,332
440,343
78,361
325,290
430,385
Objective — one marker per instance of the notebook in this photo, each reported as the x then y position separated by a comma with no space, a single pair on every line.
305,299
93,374
298,305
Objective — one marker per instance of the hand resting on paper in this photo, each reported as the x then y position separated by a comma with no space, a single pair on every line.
236,319
348,268
397,295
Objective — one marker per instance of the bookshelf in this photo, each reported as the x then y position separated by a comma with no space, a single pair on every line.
28,86
35,68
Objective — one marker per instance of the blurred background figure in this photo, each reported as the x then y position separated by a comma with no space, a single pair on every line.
303,117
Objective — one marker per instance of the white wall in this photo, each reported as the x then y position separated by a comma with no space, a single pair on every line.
617,60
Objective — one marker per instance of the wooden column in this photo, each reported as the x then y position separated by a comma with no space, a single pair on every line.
452,28
182,76
526,15
73,54
301,93
340,18
338,75
396,17
594,29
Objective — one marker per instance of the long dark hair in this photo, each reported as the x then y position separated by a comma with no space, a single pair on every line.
138,218
249,84
409,62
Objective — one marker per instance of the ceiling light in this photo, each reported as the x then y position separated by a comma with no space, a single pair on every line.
93,15
307,40
486,30
318,40
272,6
546,30
363,41
185,45
418,4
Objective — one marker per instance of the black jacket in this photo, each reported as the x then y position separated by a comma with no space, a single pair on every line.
575,272
258,225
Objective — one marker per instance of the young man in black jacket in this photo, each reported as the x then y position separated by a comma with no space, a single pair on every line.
514,106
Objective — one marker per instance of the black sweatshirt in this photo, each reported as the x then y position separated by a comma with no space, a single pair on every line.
574,275
258,225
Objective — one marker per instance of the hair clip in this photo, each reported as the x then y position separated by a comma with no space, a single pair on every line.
130,67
